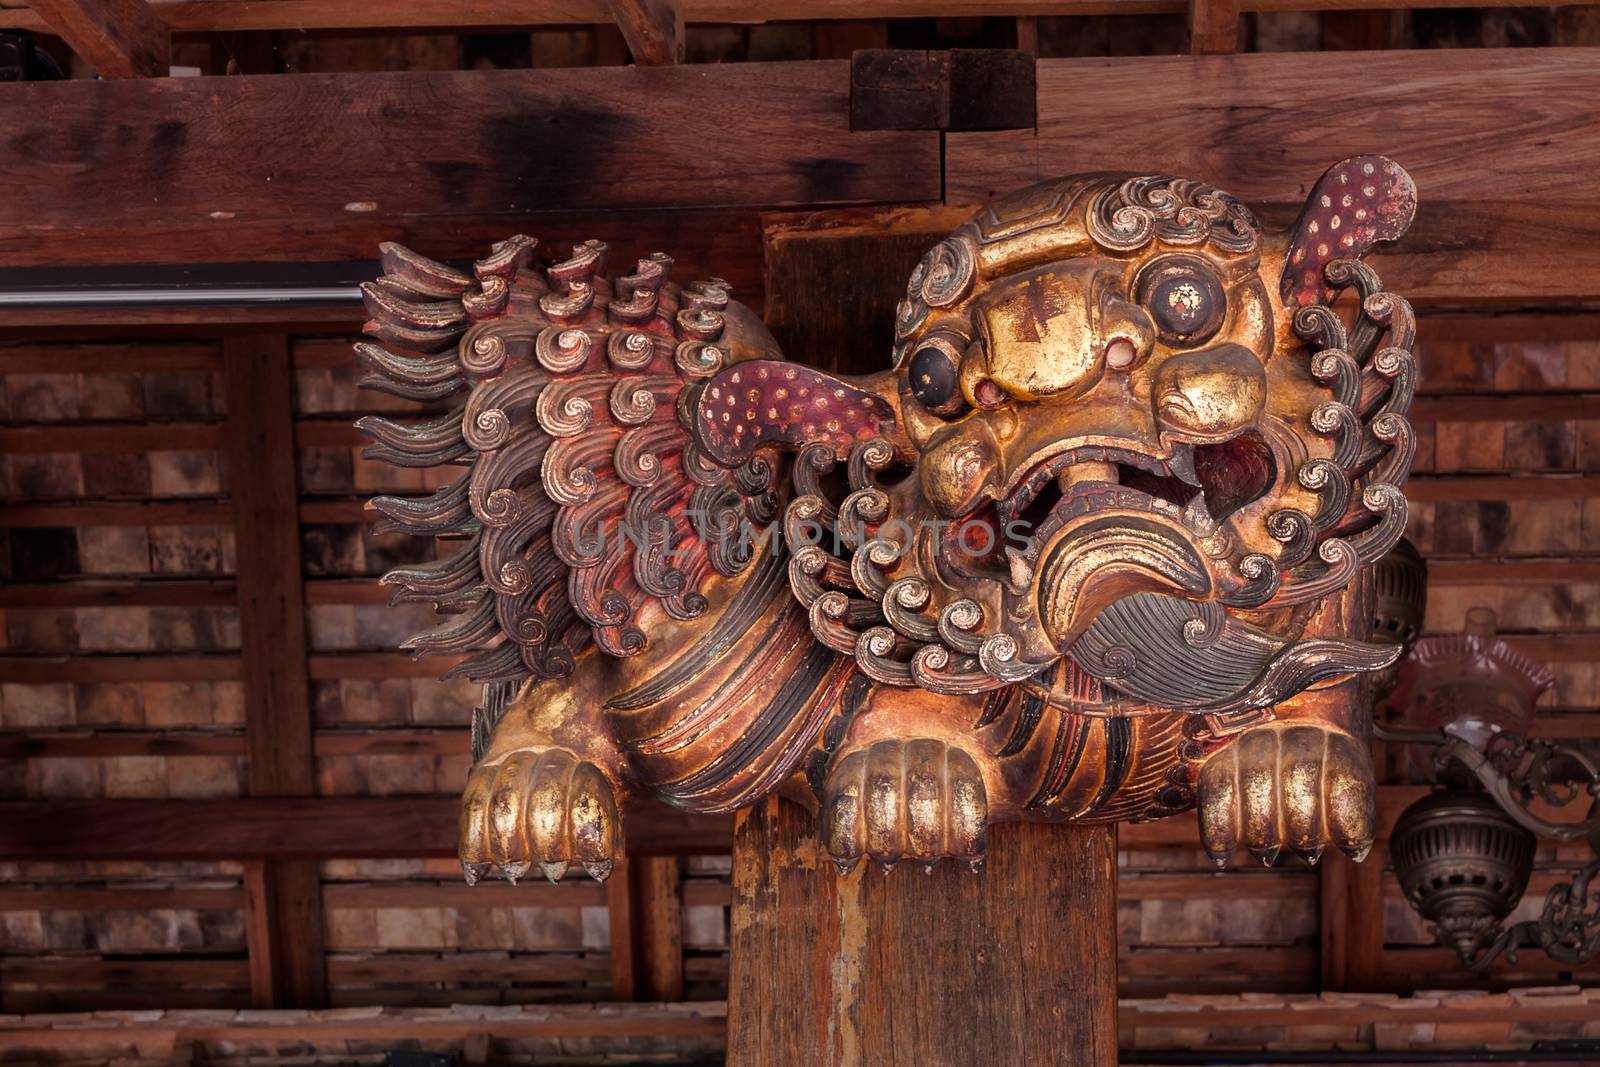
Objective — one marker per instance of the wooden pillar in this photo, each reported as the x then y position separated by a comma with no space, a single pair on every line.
645,898
284,897
1352,921
1015,964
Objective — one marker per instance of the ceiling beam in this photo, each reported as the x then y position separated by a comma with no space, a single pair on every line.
652,28
187,16
118,38
288,828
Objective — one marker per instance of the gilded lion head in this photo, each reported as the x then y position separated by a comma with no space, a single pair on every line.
1132,430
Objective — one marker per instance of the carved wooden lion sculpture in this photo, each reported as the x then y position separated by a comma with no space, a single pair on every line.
1094,548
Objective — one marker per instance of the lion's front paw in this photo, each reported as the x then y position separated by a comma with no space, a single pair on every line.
1291,785
919,800
547,807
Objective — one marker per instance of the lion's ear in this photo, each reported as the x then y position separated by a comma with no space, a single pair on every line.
762,402
1356,204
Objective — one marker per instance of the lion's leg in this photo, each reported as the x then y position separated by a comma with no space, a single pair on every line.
1300,783
548,790
1305,780
891,794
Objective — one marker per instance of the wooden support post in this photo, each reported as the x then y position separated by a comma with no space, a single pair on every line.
284,912
1213,27
1028,34
653,30
1352,921
118,38
644,897
1015,964
619,913
658,927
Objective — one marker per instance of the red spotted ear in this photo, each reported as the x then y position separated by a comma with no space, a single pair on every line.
1356,204
770,402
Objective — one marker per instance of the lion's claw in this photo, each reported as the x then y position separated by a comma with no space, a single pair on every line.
919,800
548,808
1295,787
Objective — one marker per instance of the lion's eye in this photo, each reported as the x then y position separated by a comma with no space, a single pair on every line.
934,371
1185,300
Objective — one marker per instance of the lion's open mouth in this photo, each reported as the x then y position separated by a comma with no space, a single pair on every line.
1199,486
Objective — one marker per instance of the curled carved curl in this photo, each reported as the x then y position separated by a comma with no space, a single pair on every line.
1128,216
562,351
630,350
948,270
565,408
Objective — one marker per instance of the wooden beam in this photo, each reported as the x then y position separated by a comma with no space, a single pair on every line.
178,592
652,28
283,916
286,828
415,968
96,744
187,16
76,670
38,357
390,827
1498,487
1213,27
530,893
118,38
1504,145
175,592
1513,572
118,513
1505,407
207,668
701,1027
132,898
542,149
161,436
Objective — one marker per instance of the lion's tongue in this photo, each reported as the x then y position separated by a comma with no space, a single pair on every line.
1094,563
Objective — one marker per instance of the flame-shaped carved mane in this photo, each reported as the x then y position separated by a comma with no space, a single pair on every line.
582,495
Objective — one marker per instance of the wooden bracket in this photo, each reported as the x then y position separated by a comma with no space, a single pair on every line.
118,38
653,30
961,89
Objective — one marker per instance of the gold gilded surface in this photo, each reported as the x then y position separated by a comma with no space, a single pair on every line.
1095,547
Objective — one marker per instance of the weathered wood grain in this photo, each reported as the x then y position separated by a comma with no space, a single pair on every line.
1015,965
213,162
1504,146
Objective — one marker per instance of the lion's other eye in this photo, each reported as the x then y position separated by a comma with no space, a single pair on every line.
1185,300
934,371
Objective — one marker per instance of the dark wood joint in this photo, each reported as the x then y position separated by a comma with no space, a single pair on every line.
959,89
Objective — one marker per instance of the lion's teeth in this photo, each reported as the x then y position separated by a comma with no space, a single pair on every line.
1021,569
1078,473
1197,516
1181,464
